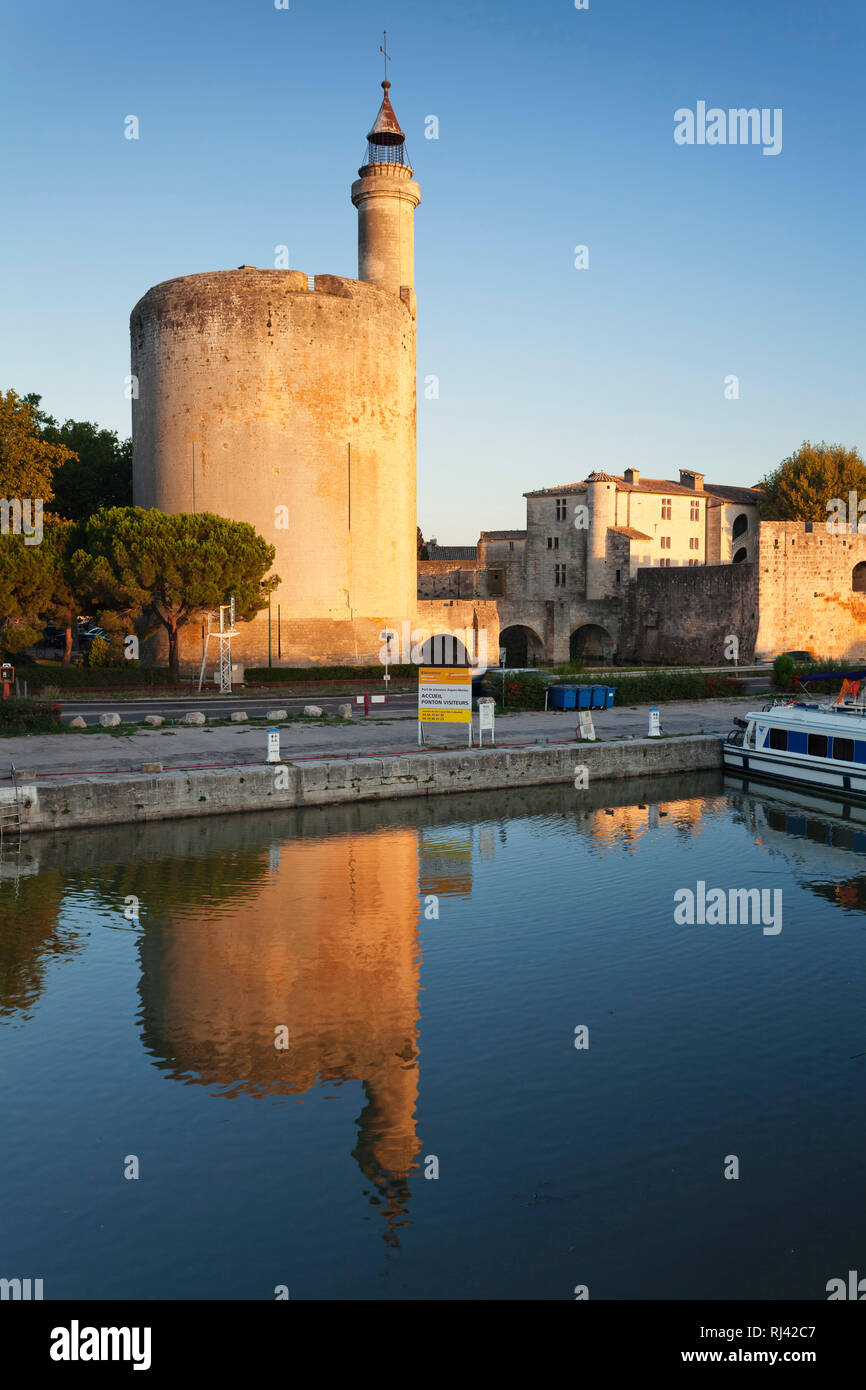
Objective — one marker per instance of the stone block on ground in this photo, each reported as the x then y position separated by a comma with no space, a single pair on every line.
344,711
109,721
275,715
78,722
195,717
239,717
155,721
312,711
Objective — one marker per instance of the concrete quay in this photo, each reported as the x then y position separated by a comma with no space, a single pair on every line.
50,803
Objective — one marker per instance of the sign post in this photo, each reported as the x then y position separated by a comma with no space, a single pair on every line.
444,697
486,708
387,636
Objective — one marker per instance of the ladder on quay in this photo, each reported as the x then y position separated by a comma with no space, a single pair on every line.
10,828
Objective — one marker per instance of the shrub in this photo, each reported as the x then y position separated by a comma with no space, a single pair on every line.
104,653
783,672
28,717
521,691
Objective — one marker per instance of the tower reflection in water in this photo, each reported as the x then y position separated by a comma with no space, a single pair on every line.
320,939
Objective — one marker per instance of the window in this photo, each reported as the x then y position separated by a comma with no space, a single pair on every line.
511,545
694,562
694,543
664,564
666,509
740,526
559,576
617,576
695,512
741,555
665,542
817,745
843,748
778,738
553,542
560,509
858,578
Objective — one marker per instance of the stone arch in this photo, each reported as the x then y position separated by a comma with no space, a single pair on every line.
740,526
858,578
741,555
590,639
523,646
444,649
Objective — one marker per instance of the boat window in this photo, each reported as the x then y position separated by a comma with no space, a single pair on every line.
818,745
749,740
844,748
778,738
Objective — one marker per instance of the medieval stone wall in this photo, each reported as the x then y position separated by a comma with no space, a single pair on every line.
806,591
685,616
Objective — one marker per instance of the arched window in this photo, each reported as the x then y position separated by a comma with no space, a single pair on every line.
858,578
740,527
741,555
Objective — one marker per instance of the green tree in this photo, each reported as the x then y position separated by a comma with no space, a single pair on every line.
98,472
61,541
25,590
144,567
27,460
803,486
423,552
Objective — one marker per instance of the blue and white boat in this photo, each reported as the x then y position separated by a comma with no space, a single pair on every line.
806,742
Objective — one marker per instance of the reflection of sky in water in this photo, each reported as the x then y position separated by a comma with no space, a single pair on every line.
449,1036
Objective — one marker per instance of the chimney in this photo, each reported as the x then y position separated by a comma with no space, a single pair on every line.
688,478
631,475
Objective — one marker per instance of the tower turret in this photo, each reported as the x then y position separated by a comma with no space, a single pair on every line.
386,197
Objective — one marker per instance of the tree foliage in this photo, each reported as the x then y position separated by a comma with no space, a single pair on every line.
803,485
98,472
25,590
27,459
146,568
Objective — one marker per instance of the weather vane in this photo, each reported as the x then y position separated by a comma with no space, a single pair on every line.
383,49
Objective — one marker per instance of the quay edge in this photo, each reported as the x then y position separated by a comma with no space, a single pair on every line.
48,804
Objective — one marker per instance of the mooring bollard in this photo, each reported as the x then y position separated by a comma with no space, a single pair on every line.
654,729
273,746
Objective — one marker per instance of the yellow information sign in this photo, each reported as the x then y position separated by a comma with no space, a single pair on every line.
445,695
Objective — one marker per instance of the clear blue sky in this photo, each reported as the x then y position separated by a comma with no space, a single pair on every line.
556,129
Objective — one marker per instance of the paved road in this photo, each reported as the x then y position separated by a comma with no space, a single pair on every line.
215,706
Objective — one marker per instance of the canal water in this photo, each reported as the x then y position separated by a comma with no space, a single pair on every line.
455,1048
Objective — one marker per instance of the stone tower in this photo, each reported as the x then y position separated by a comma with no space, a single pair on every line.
290,404
601,500
386,197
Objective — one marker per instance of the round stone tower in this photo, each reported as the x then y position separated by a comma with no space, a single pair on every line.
292,408
386,198
601,500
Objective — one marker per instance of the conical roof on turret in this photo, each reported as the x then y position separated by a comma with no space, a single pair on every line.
386,128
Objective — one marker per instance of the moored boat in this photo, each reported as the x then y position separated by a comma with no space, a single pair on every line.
806,743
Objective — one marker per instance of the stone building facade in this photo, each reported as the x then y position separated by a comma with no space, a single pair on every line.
563,586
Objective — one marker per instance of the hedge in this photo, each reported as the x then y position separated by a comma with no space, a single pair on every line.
97,678
270,675
668,685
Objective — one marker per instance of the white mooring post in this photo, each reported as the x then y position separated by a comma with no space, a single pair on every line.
654,729
274,746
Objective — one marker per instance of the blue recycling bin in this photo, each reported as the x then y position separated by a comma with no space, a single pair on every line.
599,697
611,696
569,693
584,696
561,697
